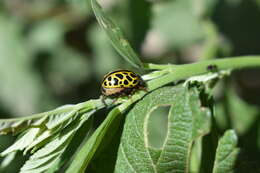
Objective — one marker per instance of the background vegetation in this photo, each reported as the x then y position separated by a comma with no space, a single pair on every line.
54,53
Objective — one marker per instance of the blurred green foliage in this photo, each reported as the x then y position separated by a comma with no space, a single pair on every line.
53,52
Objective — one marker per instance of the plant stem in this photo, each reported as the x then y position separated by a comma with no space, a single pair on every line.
250,60
188,70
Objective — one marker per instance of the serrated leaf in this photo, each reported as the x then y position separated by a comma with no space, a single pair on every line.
52,118
59,118
135,153
49,133
116,36
226,154
34,136
49,155
17,125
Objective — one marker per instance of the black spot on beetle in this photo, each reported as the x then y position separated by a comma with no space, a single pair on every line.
120,82
126,82
135,82
109,84
133,75
109,78
129,78
125,73
115,81
120,76
105,83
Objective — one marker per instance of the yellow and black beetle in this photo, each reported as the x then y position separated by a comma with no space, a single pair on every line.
121,83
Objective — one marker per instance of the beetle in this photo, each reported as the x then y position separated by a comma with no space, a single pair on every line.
121,83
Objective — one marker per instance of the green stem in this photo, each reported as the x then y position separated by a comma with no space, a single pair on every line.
151,66
188,70
250,60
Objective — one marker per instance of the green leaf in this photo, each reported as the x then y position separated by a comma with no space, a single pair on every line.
38,133
82,134
226,154
49,156
17,125
60,118
89,148
44,127
20,144
50,119
47,134
107,151
116,36
187,120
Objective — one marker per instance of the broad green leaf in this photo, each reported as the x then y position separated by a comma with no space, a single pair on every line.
116,36
187,120
226,154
